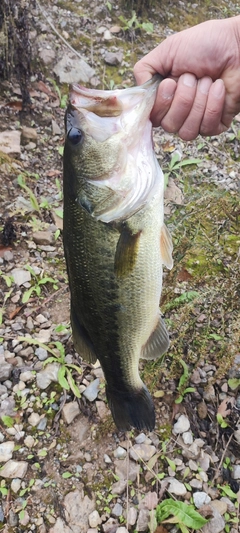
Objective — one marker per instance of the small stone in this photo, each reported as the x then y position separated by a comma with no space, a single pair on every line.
107,459
204,461
6,451
187,437
182,425
107,35
143,520
176,487
230,505
120,453
55,128
102,409
193,466
196,484
132,516
25,519
236,472
215,524
115,29
72,69
220,506
12,518
119,487
27,376
92,390
94,519
8,256
33,419
41,353
47,55
209,393
29,441
140,439
122,529
14,469
47,375
70,411
28,134
109,525
143,452
20,276
202,410
16,485
10,142
42,424
117,510
200,498
43,237
113,58
5,369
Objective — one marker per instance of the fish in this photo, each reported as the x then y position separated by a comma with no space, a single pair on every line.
115,241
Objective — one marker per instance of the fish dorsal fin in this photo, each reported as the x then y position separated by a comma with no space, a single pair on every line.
82,342
157,343
166,247
126,252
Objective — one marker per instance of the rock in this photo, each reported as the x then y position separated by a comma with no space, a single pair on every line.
33,419
94,519
92,390
44,336
187,437
143,520
142,451
27,376
113,58
71,69
182,425
119,487
107,35
43,237
237,435
176,487
132,516
126,469
140,439
42,424
117,510
236,472
5,369
107,459
215,524
77,510
25,519
47,55
16,485
200,498
115,29
47,375
55,128
8,256
108,527
10,141
41,353
14,469
209,393
230,505
20,276
202,410
70,411
28,134
122,529
196,483
220,506
12,518
120,453
6,450
29,441
102,409
60,527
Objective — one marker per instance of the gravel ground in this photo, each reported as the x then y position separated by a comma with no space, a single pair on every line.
64,468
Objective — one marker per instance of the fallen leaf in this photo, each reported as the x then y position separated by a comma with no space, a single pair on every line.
41,86
168,147
161,529
159,394
52,172
4,249
15,104
184,275
226,406
173,193
151,500
15,312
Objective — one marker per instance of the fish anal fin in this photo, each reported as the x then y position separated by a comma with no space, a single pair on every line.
131,408
166,247
126,252
82,342
157,343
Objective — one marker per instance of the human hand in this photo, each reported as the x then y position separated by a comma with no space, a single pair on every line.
202,92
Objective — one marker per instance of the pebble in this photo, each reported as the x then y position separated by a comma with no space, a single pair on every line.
230,505
28,134
236,472
41,353
216,524
33,419
132,516
43,237
176,487
20,276
220,505
70,411
200,498
5,369
143,520
102,409
209,393
29,441
187,437
120,453
140,439
109,525
182,425
94,519
119,487
117,510
143,452
16,485
27,376
6,451
47,375
14,469
122,529
92,390
196,484
113,58
42,424
107,459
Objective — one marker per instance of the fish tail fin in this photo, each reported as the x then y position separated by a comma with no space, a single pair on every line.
132,408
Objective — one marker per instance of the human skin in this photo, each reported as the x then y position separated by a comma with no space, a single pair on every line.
201,92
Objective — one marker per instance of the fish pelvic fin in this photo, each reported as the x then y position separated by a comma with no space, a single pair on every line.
126,252
166,247
82,342
132,408
157,343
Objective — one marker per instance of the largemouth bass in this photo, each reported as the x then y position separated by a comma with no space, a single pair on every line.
115,241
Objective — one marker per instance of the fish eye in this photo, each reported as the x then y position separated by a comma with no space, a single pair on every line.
75,136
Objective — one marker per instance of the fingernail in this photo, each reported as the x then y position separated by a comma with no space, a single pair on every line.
204,85
189,80
218,88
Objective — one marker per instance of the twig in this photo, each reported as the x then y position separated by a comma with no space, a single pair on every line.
46,16
222,458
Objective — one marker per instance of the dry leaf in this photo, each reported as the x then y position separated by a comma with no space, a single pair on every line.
52,173
226,406
15,312
151,500
184,275
161,529
173,193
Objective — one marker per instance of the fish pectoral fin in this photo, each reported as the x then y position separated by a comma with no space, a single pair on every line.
166,247
82,342
157,343
126,252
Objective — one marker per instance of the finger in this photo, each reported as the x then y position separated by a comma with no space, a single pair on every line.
143,71
181,104
211,123
191,127
163,100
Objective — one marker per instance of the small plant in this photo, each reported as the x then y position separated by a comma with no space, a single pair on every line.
222,423
65,378
8,280
179,513
184,298
63,98
21,179
39,281
175,164
182,389
130,26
